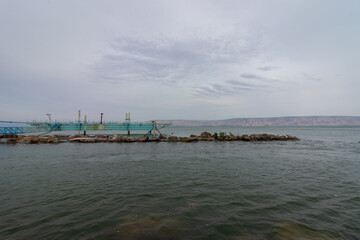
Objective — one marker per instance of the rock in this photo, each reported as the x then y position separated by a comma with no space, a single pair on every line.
206,139
102,136
245,138
173,139
55,140
83,140
100,139
193,139
142,139
118,139
193,136
129,139
43,139
162,136
10,135
234,138
184,139
205,135
228,138
9,140
30,140
155,139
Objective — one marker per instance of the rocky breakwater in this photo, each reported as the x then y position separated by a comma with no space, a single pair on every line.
204,137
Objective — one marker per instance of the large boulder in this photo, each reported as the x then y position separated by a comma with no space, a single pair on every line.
184,139
142,139
83,140
30,139
245,138
155,139
100,139
129,139
173,139
205,135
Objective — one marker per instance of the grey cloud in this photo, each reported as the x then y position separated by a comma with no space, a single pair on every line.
251,76
238,83
311,77
229,87
168,60
268,68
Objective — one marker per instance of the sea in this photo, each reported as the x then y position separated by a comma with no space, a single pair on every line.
309,189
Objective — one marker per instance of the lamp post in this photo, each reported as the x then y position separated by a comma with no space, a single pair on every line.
101,117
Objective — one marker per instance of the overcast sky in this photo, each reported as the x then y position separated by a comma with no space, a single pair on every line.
178,59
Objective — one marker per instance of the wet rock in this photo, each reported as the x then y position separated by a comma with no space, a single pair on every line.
10,135
206,139
285,137
143,139
9,140
228,138
102,136
173,139
193,136
119,139
234,138
101,139
129,139
43,139
30,140
184,139
162,137
205,135
193,139
83,140
155,139
245,138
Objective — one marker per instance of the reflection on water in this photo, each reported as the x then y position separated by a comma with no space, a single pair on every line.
147,227
293,231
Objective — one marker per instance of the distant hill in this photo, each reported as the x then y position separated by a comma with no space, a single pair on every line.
272,121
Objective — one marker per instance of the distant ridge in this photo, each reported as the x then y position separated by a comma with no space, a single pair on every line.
272,121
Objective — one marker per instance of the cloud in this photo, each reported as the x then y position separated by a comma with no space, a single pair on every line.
250,76
173,61
268,68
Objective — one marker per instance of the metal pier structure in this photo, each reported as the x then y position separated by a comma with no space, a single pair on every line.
83,127
47,127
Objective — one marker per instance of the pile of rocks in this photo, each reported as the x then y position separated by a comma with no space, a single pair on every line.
205,136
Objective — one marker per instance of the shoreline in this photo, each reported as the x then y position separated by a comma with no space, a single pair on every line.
203,137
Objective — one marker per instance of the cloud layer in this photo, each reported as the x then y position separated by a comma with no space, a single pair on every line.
178,60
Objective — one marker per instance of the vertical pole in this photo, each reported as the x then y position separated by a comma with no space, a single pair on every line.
128,122
79,121
101,117
85,125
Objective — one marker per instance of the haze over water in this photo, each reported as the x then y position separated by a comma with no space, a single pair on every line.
308,189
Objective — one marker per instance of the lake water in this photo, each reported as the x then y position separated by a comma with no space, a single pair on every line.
308,189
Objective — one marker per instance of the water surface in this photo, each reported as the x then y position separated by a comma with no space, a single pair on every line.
207,190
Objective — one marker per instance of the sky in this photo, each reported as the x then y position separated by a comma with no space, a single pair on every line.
162,59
